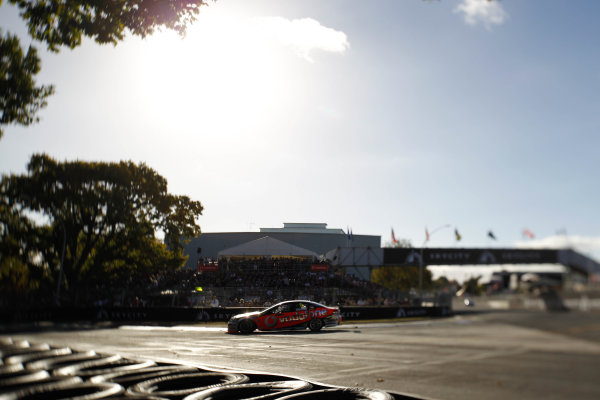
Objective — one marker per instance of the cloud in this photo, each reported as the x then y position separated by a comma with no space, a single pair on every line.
584,244
487,12
303,35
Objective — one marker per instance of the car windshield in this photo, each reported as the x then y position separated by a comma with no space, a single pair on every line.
278,309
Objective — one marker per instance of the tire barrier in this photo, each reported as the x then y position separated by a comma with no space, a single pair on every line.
129,378
180,386
80,391
340,394
263,391
55,363
91,369
81,368
7,370
46,384
25,358
44,372
22,377
22,349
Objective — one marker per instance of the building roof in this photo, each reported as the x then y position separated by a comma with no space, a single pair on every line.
295,227
266,246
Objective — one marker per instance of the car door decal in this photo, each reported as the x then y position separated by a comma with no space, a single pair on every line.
270,321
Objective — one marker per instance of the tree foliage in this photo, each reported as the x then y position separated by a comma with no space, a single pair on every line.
401,278
107,215
399,243
19,271
20,98
64,23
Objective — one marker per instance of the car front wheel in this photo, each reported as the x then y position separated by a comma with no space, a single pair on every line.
315,325
246,326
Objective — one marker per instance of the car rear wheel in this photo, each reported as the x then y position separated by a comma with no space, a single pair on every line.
246,326
315,325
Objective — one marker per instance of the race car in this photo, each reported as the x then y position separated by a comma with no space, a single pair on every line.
293,314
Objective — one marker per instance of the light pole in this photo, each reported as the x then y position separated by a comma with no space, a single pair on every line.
421,260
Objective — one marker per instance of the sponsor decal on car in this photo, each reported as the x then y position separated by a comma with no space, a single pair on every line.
270,321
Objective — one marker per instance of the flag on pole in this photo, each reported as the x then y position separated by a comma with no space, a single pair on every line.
491,235
528,233
458,237
393,236
426,235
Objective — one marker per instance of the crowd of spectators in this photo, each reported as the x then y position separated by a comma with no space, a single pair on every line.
255,282
259,282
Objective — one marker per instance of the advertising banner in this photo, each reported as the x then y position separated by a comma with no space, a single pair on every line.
208,267
457,256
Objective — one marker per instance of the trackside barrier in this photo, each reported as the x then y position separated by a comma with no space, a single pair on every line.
190,314
145,379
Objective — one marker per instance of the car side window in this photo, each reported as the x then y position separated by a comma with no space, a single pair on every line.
283,309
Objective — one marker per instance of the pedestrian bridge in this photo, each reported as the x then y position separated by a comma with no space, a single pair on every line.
411,256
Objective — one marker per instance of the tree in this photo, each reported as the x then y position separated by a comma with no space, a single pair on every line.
107,215
21,98
64,23
20,269
471,287
400,243
401,278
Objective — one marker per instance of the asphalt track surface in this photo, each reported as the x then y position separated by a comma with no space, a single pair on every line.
494,355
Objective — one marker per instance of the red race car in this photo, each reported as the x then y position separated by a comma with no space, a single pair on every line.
294,314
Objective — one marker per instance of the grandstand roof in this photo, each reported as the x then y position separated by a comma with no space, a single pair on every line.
266,246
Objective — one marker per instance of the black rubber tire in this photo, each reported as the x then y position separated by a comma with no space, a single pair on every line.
315,325
53,382
53,363
130,378
6,370
37,355
178,386
262,378
79,391
246,326
76,368
8,351
263,391
340,394
22,377
87,370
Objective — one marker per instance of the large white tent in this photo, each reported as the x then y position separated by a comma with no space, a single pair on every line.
266,247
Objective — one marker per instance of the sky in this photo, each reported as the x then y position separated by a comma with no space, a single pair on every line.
409,115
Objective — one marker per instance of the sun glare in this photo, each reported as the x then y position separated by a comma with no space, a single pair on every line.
220,78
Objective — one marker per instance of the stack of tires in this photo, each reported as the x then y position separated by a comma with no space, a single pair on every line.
40,371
